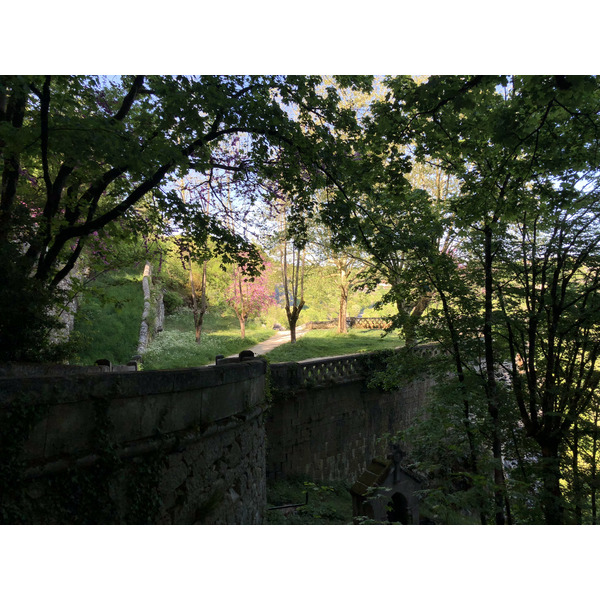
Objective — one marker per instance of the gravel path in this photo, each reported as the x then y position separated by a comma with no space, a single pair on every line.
281,337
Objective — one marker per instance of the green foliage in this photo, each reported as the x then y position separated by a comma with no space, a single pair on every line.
378,307
440,448
392,369
107,323
173,275
329,503
450,445
29,312
172,301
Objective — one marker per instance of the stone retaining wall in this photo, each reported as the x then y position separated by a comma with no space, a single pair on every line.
325,423
185,446
196,435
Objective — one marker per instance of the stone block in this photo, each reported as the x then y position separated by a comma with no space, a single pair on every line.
34,446
220,402
185,411
233,455
69,429
174,475
126,418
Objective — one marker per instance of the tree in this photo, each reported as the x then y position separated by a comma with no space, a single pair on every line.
249,296
549,298
386,225
521,149
293,256
78,153
187,250
383,205
349,265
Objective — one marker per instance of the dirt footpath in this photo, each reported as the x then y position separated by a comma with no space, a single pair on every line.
281,337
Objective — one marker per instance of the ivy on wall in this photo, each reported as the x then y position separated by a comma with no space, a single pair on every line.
78,495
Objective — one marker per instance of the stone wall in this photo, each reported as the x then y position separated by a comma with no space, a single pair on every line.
325,423
79,445
101,445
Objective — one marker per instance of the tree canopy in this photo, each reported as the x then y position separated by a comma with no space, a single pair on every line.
475,198
515,294
80,153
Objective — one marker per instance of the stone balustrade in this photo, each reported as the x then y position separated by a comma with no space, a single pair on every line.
352,322
94,435
318,371
368,322
330,370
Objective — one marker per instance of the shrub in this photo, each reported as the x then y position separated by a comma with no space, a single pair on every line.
172,301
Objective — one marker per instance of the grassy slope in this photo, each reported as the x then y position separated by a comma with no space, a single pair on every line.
107,323
176,346
326,342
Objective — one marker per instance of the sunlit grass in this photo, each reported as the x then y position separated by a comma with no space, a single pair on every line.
176,346
107,323
325,342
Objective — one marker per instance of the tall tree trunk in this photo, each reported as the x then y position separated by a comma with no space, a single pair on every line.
195,310
199,319
461,378
594,482
203,303
292,305
491,387
240,311
415,315
293,314
292,320
12,110
342,323
551,496
577,485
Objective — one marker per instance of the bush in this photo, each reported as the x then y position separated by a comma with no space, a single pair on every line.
172,301
329,503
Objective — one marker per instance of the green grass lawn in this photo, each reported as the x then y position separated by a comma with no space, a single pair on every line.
176,346
107,323
326,342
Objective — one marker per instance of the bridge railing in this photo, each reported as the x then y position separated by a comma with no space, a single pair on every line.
330,370
318,371
352,322
368,322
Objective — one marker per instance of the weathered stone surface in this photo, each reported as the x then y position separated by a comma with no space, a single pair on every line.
201,418
330,432
200,435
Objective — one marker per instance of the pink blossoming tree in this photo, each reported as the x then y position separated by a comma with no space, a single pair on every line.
249,297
